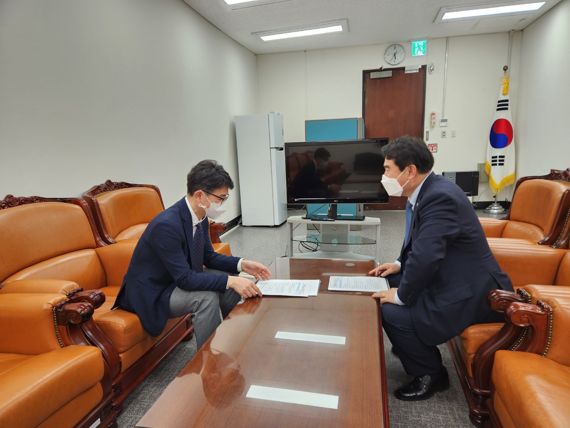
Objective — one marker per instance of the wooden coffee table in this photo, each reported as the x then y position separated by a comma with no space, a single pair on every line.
301,383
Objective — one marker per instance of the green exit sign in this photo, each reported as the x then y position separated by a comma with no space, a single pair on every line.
419,47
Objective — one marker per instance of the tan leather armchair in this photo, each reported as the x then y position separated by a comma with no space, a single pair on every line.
44,383
472,351
51,245
531,388
538,211
123,210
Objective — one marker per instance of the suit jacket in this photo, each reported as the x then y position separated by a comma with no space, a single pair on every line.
161,261
447,265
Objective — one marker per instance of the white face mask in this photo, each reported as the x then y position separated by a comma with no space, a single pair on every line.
392,185
214,210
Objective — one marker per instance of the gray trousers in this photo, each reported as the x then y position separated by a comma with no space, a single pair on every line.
209,308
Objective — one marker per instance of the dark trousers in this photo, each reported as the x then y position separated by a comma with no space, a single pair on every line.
417,358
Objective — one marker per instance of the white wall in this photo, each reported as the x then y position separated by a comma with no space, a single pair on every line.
328,84
131,90
543,122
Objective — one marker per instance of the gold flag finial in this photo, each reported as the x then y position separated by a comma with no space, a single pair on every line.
505,90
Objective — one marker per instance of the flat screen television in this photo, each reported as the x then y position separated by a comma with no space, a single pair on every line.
335,172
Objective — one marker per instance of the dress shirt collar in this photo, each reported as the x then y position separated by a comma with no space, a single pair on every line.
195,219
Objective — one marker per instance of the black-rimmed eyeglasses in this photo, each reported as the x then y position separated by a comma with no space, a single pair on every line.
222,198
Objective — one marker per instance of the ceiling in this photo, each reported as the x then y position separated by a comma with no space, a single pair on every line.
369,21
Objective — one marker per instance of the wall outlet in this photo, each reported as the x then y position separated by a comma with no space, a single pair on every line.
443,133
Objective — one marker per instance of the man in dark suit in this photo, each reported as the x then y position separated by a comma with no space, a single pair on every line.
439,284
166,277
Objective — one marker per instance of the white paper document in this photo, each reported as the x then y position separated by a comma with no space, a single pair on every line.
289,287
365,284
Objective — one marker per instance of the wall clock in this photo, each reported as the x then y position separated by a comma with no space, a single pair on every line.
394,54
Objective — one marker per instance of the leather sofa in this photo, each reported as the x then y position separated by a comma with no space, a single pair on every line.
52,245
43,382
538,212
123,210
531,388
472,351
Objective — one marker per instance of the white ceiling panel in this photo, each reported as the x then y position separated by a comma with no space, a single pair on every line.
369,21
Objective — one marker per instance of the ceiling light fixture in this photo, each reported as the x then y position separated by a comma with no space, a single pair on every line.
230,2
449,13
242,4
313,30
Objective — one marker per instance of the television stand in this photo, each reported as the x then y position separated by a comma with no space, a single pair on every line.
332,239
332,215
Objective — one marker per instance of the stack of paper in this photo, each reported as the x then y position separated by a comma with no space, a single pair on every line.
290,287
365,284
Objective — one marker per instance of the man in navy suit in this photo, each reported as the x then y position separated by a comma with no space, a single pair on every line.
166,277
439,284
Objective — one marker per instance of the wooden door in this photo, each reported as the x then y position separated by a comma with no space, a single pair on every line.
393,103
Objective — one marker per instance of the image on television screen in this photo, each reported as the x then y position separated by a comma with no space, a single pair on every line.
342,171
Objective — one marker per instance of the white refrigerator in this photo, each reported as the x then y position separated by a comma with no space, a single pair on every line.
261,166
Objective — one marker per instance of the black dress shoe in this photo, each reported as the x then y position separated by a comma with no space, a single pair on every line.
423,387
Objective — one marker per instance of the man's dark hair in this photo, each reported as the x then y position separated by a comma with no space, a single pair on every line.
322,154
207,175
406,151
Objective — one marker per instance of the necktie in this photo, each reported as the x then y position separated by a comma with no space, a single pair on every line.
197,249
409,215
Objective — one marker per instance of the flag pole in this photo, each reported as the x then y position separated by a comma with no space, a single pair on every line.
495,208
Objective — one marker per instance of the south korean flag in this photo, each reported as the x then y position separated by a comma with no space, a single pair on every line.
500,161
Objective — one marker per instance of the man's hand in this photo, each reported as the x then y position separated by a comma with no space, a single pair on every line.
256,269
388,296
243,286
385,269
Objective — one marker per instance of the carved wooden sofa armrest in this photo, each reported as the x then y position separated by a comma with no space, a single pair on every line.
33,323
70,289
500,301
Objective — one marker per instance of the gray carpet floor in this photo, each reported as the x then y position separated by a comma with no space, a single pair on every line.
445,409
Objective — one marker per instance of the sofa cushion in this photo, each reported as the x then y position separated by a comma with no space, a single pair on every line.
563,275
521,230
525,262
36,232
115,259
132,232
123,208
74,411
131,356
123,328
32,391
9,361
82,267
111,292
493,227
473,337
533,389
